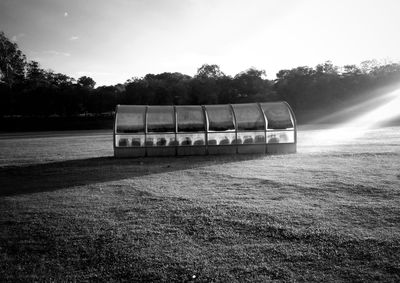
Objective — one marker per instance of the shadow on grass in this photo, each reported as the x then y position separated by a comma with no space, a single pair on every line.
35,178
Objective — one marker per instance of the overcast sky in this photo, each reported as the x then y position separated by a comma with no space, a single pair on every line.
112,41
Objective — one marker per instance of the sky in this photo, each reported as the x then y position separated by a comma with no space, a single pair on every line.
113,41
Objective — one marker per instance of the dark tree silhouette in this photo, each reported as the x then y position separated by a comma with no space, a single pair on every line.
12,62
86,82
28,90
209,71
251,86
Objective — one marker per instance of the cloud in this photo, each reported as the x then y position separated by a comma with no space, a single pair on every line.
15,38
93,73
73,38
56,53
66,14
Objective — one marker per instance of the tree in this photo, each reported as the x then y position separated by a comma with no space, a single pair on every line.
326,68
86,82
252,87
204,91
58,79
35,75
293,86
12,62
209,71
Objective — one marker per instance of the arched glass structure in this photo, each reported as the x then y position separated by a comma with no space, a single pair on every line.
281,127
250,123
221,129
199,130
160,130
191,130
129,131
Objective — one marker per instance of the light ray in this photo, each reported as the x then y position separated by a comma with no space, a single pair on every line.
357,127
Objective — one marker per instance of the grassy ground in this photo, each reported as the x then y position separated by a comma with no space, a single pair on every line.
70,212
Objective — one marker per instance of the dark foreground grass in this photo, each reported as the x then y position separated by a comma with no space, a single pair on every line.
314,216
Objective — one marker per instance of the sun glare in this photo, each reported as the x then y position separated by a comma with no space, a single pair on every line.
358,126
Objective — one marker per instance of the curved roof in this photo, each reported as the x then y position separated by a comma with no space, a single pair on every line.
213,118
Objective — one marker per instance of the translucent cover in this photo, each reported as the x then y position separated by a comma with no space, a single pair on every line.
129,140
190,119
280,136
249,117
221,138
220,118
278,115
251,138
160,140
191,139
130,119
160,119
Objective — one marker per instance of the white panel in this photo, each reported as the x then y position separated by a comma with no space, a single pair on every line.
129,140
251,138
221,138
191,139
160,140
280,136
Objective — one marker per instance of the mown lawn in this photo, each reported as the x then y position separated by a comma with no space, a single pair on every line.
70,212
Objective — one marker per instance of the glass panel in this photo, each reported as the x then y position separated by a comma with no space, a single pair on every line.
249,117
190,119
130,119
251,138
220,118
221,138
191,139
129,140
160,140
280,136
160,119
278,115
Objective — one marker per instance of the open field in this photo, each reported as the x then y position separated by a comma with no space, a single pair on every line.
70,212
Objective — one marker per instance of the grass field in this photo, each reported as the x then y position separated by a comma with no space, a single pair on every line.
69,211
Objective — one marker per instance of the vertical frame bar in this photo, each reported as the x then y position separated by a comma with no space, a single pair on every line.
176,131
115,129
293,117
145,130
236,126
207,123
265,126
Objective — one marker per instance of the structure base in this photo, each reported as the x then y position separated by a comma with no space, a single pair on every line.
281,148
129,152
192,150
221,149
255,148
160,151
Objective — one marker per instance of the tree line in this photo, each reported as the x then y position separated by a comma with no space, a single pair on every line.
28,90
